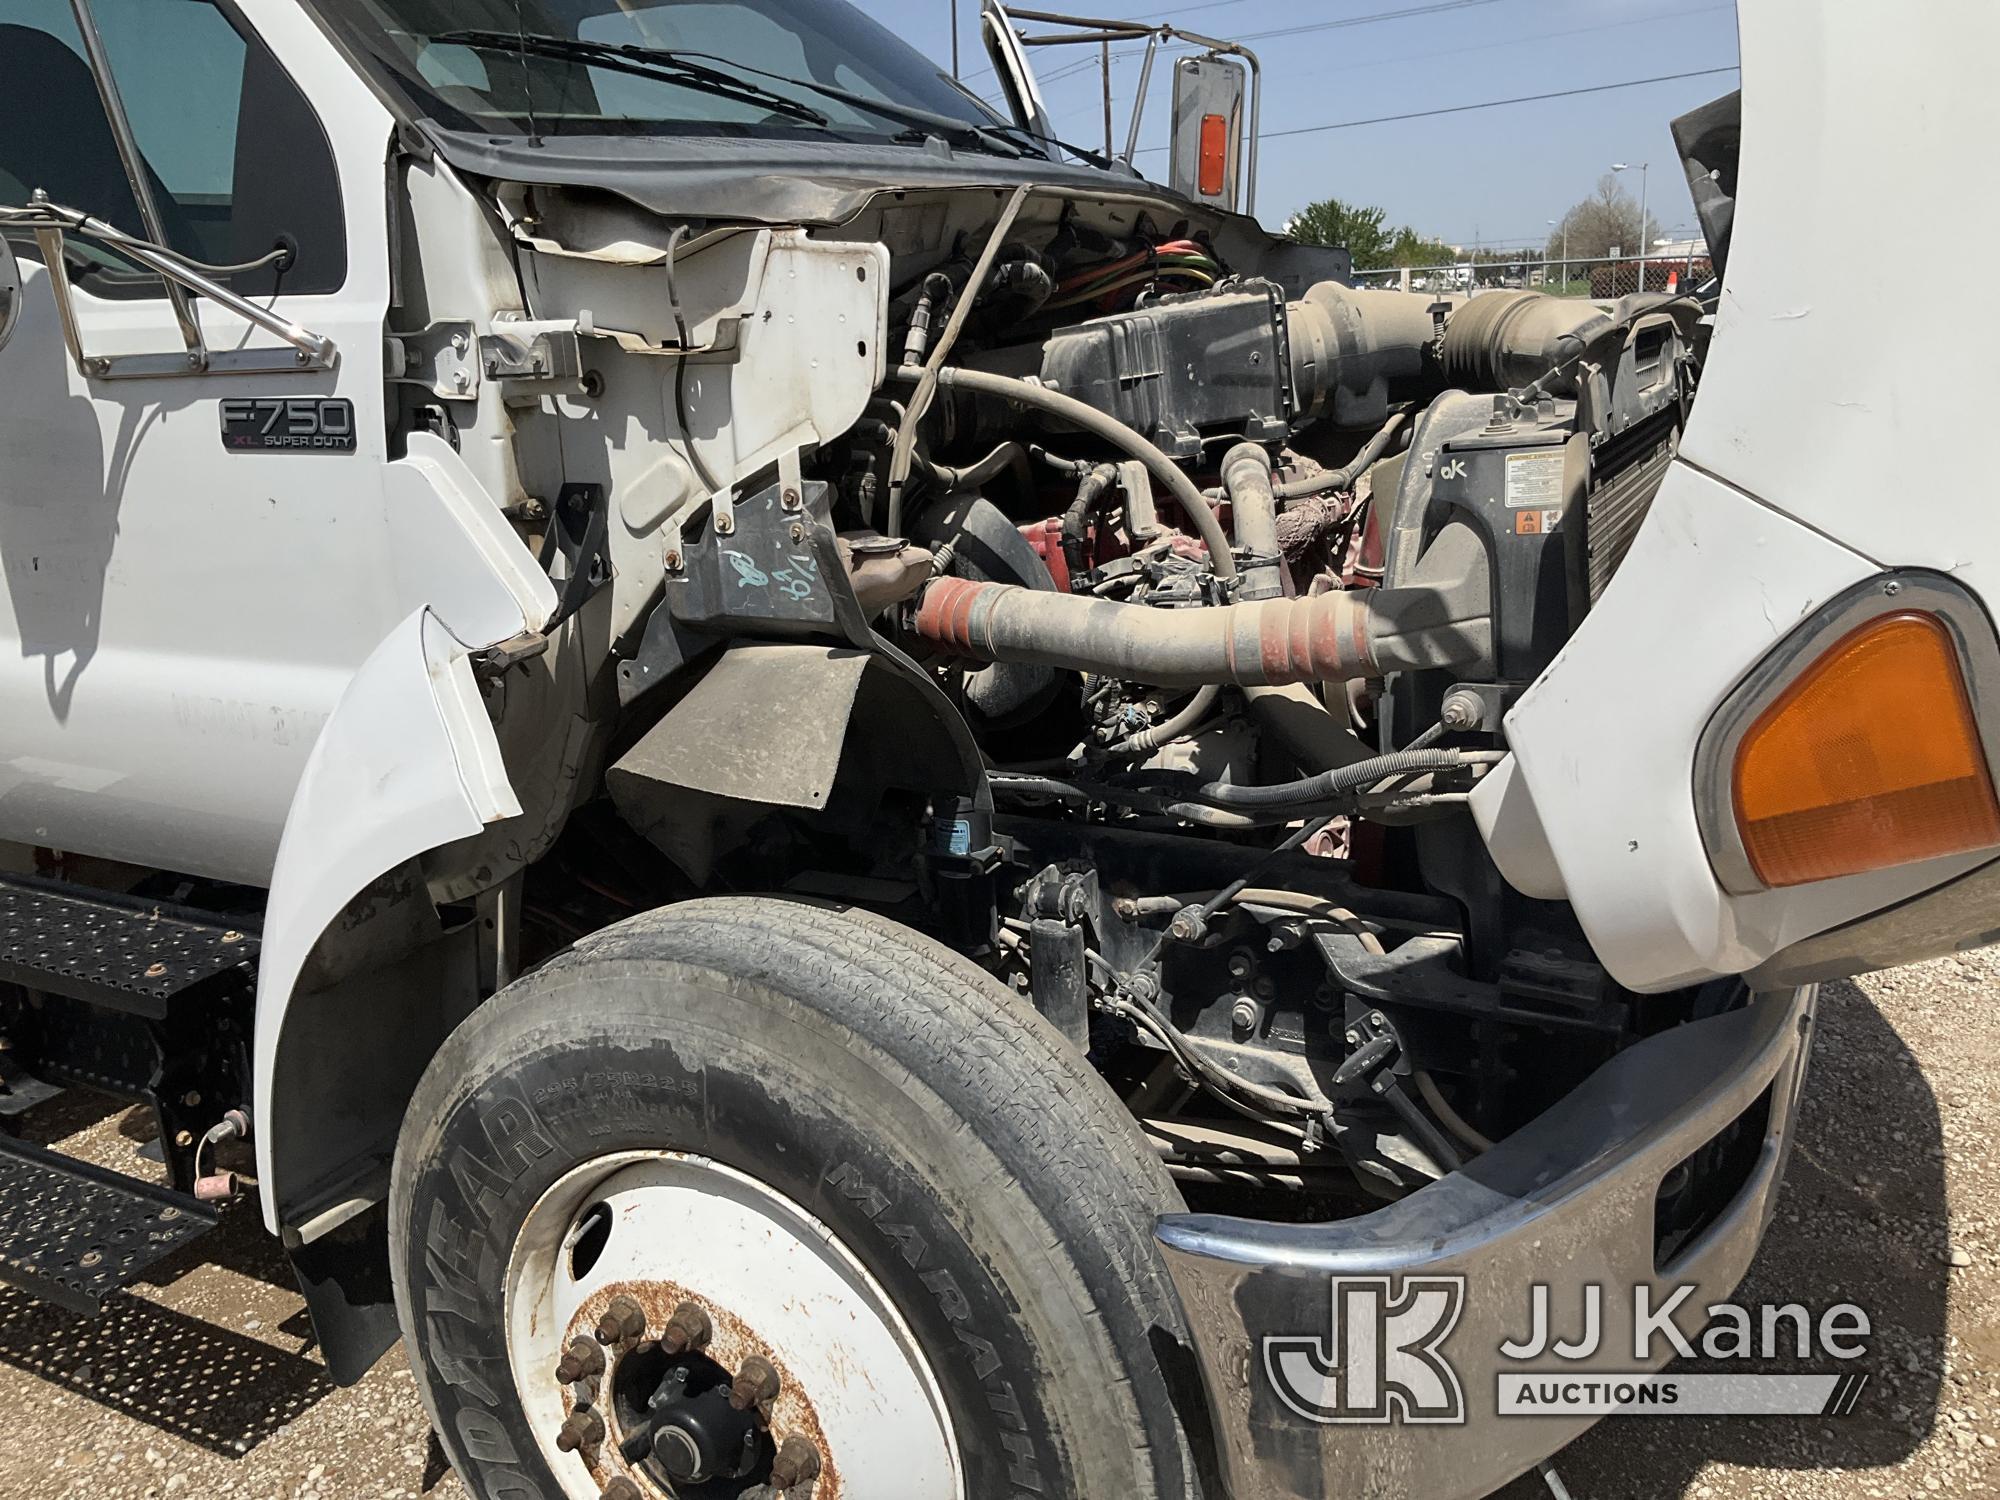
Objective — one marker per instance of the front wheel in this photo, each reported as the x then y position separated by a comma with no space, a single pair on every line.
747,1196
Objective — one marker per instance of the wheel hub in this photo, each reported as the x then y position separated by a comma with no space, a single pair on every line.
680,1332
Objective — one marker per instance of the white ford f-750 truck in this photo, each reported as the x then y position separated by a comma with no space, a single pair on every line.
836,798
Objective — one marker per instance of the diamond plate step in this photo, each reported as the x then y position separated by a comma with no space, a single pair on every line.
121,951
74,1233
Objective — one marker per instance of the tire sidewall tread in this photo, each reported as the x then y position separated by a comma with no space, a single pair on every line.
986,1177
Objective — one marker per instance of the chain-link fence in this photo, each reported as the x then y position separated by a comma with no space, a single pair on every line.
1680,270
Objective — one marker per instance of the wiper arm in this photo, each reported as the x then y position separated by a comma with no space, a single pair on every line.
952,129
1095,158
641,62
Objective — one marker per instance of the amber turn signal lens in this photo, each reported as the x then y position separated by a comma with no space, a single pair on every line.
1871,758
1214,154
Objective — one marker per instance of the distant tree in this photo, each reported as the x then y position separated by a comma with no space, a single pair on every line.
1606,218
1357,229
1412,249
1365,235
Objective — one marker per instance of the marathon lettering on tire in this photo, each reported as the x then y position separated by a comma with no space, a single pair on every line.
1024,1472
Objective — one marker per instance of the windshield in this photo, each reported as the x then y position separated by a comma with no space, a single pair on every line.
601,67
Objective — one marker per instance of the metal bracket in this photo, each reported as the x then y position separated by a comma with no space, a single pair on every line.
578,531
450,360
531,353
441,358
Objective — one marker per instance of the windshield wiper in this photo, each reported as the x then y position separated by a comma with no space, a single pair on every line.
641,62
1082,153
952,130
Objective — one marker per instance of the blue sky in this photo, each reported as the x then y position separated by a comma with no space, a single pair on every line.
1493,175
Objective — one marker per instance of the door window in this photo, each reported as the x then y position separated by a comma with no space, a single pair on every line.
235,160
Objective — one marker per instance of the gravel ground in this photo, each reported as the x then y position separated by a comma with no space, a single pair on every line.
204,1382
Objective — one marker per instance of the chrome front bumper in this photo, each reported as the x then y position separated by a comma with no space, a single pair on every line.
1566,1202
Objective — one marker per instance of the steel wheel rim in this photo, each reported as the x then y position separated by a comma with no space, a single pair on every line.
671,1228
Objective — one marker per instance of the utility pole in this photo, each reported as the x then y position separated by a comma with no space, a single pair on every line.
1619,166
1108,148
954,36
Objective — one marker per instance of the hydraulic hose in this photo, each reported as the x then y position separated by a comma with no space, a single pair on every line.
1090,493
1343,781
1264,642
1110,430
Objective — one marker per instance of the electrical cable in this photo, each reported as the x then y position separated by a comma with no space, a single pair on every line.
1137,278
695,460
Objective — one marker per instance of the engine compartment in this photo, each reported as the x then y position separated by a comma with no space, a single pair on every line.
1195,598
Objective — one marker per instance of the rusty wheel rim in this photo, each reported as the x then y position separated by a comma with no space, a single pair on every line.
678,1328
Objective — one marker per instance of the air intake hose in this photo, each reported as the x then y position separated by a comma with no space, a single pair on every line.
1271,641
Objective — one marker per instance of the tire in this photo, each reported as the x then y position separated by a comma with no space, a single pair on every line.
954,1145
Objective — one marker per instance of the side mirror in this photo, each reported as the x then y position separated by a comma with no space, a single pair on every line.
1208,130
10,291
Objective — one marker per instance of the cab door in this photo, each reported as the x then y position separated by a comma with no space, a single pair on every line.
194,550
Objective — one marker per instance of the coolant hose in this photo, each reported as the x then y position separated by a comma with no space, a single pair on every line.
1006,457
1297,720
1089,419
1266,641
1246,477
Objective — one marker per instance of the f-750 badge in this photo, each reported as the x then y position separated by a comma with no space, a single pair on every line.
295,424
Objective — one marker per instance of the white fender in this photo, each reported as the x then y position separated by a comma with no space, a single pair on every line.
407,762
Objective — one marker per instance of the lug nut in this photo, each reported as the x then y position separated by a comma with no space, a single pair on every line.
688,1328
584,1429
756,1382
623,1319
583,1360
797,1461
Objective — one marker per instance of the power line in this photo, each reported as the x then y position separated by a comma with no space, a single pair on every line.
1460,109
1368,20
1436,7
1374,63
1185,9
